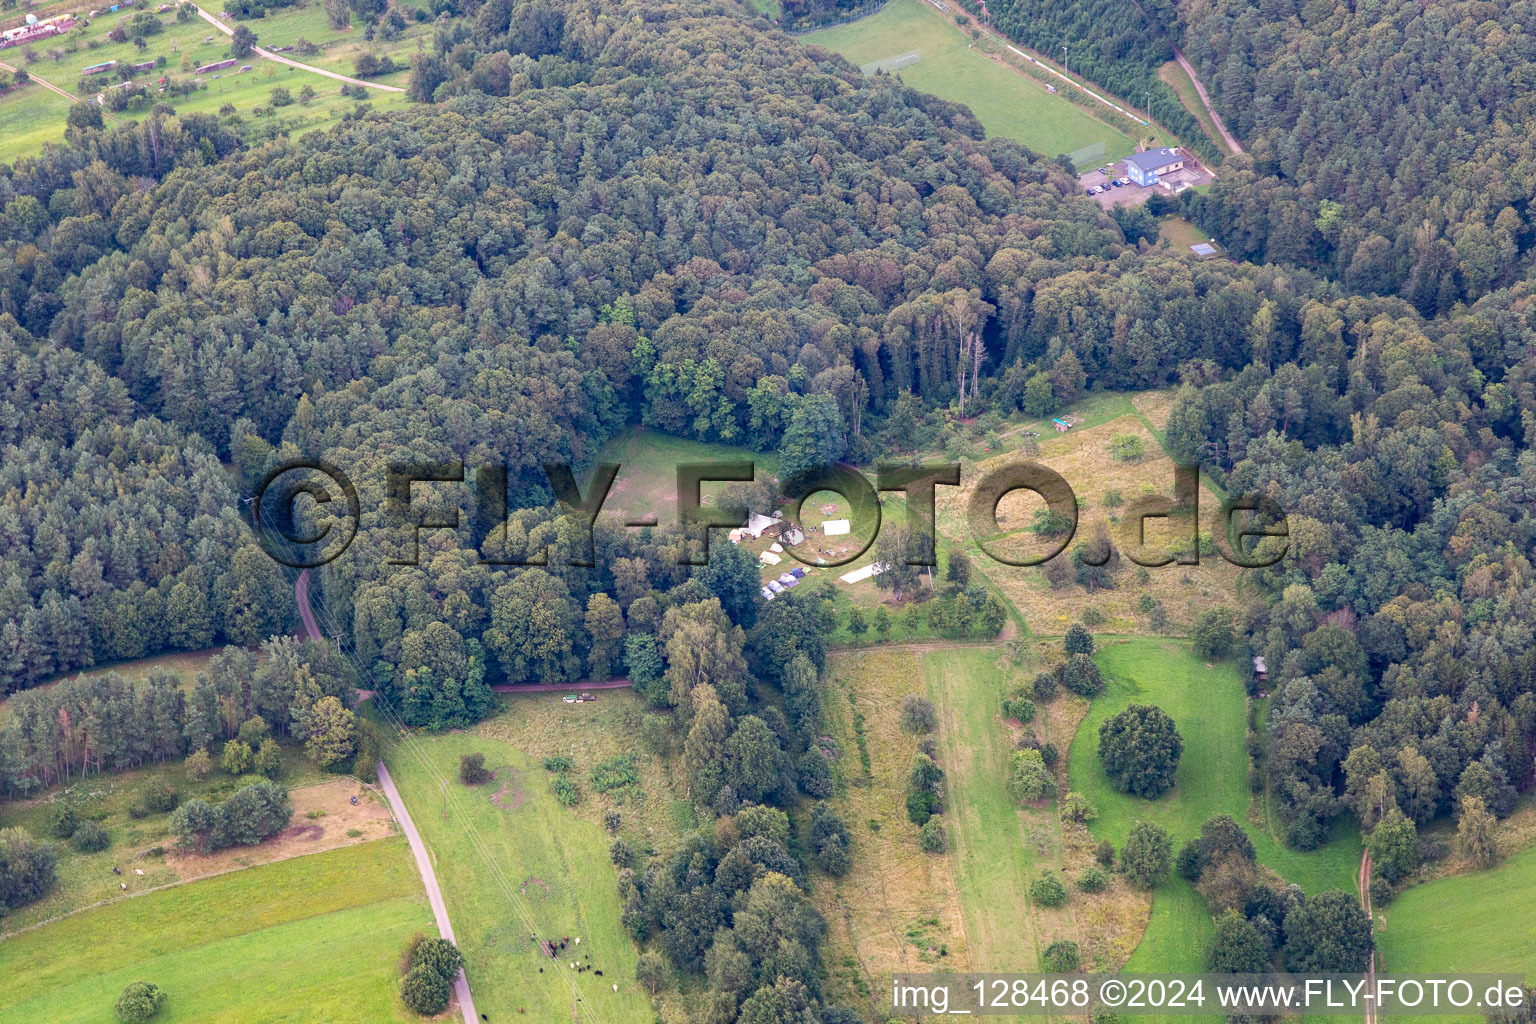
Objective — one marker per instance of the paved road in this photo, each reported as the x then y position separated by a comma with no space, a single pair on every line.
403,816
216,23
1189,69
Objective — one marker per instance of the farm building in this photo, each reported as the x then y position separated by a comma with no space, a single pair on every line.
97,69
1147,168
35,30
216,65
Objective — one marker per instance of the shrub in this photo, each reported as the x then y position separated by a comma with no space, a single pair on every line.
160,797
1045,684
199,764
622,854
615,774
1081,675
1075,807
1093,879
611,821
1060,956
1049,754
558,763
26,868
932,837
90,838
565,791
1048,891
922,804
1126,447
815,774
1104,853
1078,640
139,1002
62,821
1030,780
1145,856
253,731
1021,708
472,769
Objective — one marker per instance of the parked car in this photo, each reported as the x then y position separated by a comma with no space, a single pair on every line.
1090,191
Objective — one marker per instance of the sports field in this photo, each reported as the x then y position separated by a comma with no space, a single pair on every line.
1006,102
308,939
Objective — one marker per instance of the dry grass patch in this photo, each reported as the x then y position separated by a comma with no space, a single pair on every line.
898,909
1083,457
1156,406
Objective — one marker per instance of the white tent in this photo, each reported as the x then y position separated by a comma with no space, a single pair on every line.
769,558
775,547
858,575
836,527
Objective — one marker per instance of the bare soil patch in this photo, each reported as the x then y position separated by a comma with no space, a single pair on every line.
510,796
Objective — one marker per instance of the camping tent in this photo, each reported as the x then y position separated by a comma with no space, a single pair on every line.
836,527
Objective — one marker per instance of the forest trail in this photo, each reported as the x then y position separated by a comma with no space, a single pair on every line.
1205,100
1365,904
269,55
403,816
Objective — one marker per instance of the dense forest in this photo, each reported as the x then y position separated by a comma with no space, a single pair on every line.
671,216
1390,141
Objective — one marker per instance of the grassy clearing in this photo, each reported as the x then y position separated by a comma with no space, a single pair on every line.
554,862
1208,705
1463,923
999,848
1180,234
86,879
1006,102
314,938
647,480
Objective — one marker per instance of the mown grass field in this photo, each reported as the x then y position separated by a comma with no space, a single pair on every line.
29,117
1006,102
309,939
548,871
1476,922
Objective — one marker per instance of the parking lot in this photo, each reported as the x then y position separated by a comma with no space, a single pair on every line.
1131,194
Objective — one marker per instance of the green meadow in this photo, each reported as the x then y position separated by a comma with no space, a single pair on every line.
307,939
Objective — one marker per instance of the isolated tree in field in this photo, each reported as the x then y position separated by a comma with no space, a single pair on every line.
1078,640
1146,853
338,14
1328,933
1061,956
242,42
1047,891
918,715
857,624
1236,947
1030,779
27,868
1140,750
139,1002
1474,833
